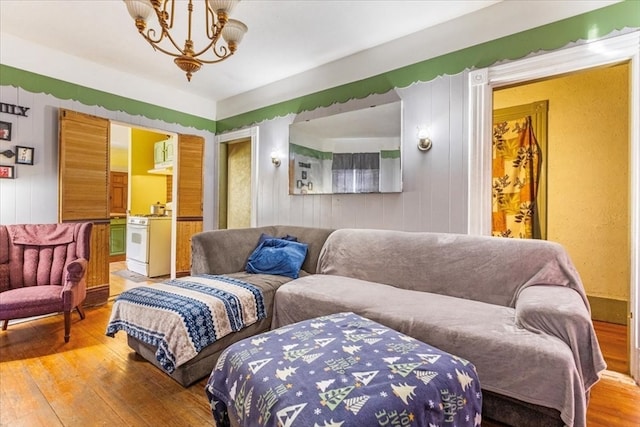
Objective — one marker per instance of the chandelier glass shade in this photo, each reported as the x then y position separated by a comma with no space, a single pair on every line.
217,26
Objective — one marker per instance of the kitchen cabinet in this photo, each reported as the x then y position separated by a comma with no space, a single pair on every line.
119,192
163,154
118,236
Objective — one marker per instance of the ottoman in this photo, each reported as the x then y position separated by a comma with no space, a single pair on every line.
341,370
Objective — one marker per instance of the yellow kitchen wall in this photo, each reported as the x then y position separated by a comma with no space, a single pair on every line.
146,189
588,176
119,159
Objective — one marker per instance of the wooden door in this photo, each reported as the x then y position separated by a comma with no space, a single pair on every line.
83,190
119,192
188,209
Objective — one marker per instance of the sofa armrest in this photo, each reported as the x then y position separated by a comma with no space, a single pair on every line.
561,312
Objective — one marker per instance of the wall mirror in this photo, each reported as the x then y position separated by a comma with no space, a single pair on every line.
349,152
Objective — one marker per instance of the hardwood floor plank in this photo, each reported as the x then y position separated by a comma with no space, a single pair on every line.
98,380
614,344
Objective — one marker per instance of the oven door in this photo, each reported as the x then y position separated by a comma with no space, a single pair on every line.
138,243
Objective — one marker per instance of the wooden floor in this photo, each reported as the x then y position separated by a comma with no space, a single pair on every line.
95,380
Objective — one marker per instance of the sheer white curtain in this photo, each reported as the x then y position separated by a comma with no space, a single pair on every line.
356,173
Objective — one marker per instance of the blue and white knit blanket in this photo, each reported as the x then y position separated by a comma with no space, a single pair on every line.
180,317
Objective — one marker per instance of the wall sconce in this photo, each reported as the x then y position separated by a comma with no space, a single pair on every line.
275,159
424,142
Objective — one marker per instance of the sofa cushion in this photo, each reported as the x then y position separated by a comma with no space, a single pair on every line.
464,266
510,360
277,256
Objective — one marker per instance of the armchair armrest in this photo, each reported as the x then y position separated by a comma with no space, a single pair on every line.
75,271
74,289
561,312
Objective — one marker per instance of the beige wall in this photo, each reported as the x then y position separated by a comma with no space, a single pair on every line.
588,171
239,185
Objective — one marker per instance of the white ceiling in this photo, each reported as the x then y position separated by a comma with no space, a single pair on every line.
285,37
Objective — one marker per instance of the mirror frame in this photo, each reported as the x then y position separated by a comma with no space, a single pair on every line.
312,143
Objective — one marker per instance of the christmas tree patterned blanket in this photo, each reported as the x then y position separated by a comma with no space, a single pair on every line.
182,316
342,370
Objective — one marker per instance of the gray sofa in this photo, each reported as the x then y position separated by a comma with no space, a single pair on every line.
515,308
226,252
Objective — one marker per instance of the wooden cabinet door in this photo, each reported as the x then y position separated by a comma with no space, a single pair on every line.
118,237
188,208
168,151
189,176
119,192
83,167
83,190
158,153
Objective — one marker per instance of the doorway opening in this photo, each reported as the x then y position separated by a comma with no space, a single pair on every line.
235,184
606,52
141,177
237,175
586,207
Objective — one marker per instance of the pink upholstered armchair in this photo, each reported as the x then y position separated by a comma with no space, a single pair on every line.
43,270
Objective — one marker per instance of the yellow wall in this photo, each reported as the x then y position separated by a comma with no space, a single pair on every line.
588,171
146,189
119,159
239,185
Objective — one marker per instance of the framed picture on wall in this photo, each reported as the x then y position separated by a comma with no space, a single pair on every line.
24,155
7,172
5,131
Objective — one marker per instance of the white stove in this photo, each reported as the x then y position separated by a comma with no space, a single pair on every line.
149,245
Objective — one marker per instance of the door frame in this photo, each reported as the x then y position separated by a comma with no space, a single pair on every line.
593,54
248,133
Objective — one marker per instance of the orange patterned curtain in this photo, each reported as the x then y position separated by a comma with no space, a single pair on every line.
516,172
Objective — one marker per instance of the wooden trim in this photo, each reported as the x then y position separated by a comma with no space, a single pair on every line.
97,295
609,310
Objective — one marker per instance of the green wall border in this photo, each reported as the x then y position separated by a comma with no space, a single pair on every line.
590,25
37,83
389,154
309,152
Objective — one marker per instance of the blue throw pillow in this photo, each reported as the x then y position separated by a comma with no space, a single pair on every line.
278,256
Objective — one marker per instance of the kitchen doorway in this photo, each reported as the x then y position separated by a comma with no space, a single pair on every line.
140,181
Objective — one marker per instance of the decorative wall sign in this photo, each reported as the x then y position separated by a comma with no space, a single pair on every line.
24,155
16,110
8,153
7,172
5,131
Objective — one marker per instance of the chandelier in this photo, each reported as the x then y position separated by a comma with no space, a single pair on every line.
217,24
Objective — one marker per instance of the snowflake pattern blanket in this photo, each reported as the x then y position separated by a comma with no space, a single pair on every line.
180,317
342,370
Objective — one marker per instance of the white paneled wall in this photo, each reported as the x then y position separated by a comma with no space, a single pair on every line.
32,197
434,196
